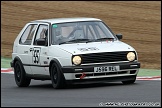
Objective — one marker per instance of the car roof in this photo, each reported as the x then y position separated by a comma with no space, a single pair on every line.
61,20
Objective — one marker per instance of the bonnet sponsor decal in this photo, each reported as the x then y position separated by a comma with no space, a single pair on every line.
88,49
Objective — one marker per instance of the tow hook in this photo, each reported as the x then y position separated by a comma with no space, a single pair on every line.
82,76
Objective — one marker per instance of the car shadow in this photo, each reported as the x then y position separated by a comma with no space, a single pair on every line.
95,85
80,86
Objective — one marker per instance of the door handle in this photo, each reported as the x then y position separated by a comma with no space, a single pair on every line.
31,49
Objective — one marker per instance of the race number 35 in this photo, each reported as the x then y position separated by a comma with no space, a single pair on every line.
36,55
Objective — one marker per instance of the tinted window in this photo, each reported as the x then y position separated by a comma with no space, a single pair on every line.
42,33
28,34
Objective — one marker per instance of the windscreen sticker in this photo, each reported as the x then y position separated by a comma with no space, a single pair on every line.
88,49
55,26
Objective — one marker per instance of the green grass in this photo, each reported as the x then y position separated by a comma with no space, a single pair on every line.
5,63
149,72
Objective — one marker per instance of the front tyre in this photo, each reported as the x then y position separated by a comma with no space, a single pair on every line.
57,78
129,81
20,76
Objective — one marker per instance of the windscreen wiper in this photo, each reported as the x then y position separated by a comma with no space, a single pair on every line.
102,39
66,42
74,41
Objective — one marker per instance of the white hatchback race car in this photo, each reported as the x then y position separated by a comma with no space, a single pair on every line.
72,50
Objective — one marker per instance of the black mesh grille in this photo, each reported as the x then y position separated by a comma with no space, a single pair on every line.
105,57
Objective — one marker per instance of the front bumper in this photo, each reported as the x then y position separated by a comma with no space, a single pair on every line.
101,80
128,70
87,68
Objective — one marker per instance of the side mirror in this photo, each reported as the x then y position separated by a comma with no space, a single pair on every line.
41,42
119,36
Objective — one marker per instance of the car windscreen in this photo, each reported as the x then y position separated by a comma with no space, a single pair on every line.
76,32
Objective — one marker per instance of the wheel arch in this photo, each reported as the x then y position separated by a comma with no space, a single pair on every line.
54,61
16,59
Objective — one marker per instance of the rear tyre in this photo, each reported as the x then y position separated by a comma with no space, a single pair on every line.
20,76
57,78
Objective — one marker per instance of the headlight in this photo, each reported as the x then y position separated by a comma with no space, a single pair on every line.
130,56
77,60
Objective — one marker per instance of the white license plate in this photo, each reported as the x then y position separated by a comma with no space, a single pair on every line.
106,69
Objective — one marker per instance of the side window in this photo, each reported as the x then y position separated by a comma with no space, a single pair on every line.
42,34
28,34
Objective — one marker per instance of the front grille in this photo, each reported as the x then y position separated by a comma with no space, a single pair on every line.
133,71
105,57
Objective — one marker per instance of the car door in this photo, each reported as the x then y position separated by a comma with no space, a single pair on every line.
24,45
39,56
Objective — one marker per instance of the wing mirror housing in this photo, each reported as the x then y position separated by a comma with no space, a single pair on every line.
41,41
119,36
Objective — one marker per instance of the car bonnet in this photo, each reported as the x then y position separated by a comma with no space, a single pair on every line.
95,47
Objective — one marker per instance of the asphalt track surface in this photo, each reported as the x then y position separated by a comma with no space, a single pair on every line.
42,94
